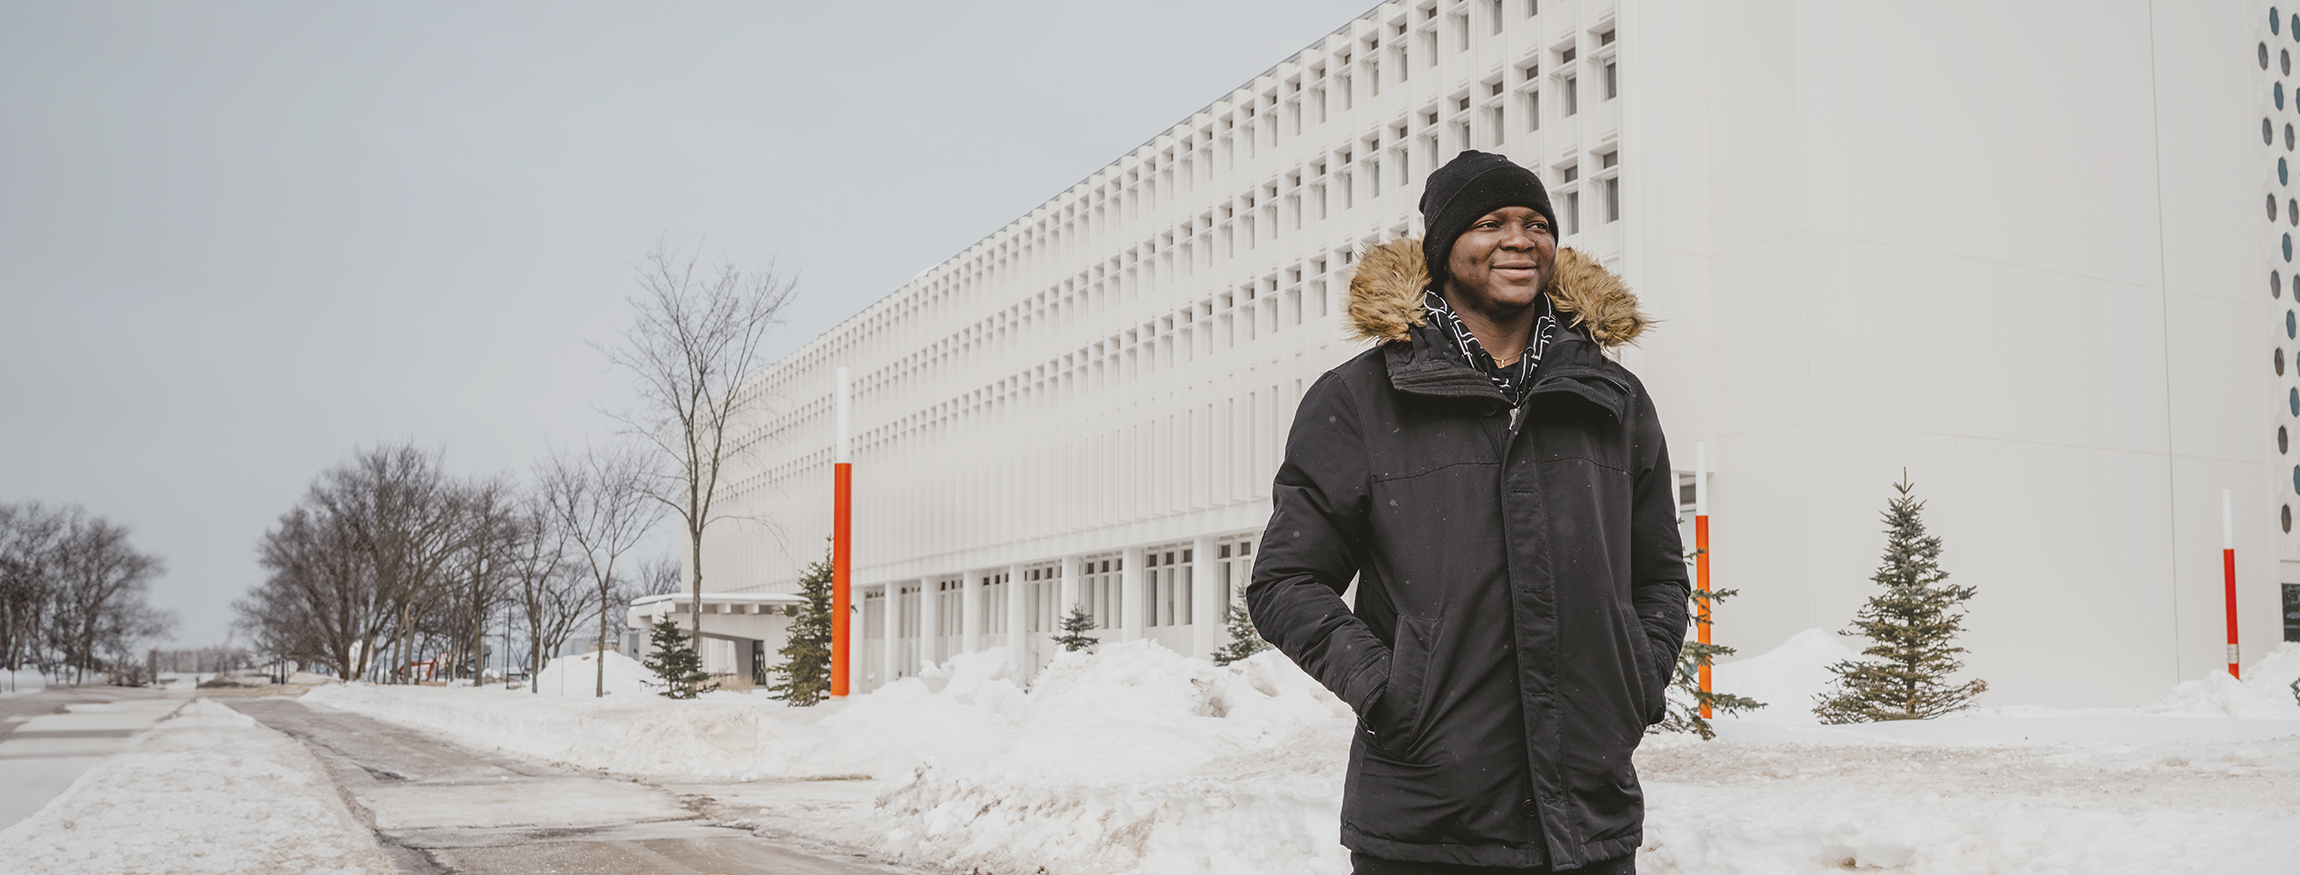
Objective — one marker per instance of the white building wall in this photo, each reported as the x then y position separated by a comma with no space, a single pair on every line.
1995,244
1115,372
2003,245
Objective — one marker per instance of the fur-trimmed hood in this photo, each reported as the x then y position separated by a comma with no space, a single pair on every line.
1386,295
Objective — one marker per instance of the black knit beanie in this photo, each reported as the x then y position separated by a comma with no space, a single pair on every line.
1464,190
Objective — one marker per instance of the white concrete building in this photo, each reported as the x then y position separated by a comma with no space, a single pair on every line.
2011,247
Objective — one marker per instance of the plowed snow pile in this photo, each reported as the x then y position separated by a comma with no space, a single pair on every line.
208,790
1139,760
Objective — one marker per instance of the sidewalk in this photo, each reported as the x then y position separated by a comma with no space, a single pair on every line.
49,738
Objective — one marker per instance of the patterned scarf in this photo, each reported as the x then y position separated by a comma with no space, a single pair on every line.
1517,378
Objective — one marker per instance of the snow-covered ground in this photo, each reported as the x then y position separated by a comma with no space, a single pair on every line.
1139,760
578,677
207,790
21,682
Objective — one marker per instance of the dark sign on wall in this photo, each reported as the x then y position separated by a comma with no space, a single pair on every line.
2292,612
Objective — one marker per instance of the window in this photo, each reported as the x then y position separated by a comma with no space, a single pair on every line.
1495,123
1533,110
1461,135
1374,174
1572,95
1461,31
1612,81
1612,188
1532,8
1496,15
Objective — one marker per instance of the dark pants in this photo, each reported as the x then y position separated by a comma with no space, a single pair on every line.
1361,864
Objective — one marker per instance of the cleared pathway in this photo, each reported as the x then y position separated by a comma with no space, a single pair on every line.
49,738
443,808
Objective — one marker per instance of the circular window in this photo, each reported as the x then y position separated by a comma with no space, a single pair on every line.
2283,172
2287,519
2291,330
2283,440
2279,361
2295,402
2287,138
2292,207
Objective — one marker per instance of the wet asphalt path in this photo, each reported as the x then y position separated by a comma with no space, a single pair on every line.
442,808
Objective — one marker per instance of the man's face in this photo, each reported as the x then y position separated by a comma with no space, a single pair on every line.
1501,262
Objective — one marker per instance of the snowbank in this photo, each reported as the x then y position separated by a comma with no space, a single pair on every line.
1136,759
208,790
1132,759
2274,674
1785,678
578,676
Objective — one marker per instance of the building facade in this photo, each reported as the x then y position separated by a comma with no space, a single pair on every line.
2003,246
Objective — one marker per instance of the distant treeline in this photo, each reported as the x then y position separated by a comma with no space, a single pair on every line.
391,569
73,595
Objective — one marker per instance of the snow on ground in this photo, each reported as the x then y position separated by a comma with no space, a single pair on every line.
21,682
208,790
578,676
1139,760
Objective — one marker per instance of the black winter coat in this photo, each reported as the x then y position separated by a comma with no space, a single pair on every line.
1521,590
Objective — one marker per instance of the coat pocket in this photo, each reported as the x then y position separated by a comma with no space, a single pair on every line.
1653,677
1404,699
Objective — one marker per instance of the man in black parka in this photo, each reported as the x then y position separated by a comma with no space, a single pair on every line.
1511,523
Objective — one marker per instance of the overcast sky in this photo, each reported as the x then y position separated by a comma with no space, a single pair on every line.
239,240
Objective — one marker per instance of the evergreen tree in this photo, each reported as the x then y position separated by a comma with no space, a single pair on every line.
1910,626
806,665
1075,625
1687,680
675,661
1245,640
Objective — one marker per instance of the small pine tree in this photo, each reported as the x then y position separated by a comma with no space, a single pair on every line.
1690,661
1075,625
1910,627
1245,640
675,661
806,666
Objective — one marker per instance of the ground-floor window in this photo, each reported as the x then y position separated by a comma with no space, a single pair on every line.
1166,587
1099,591
1236,560
994,595
1042,588
2292,612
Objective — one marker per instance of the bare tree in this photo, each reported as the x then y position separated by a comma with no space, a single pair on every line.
695,340
361,567
553,594
101,580
482,569
28,536
600,500
73,593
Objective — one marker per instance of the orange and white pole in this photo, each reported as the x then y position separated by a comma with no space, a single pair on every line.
842,535
1701,557
2228,577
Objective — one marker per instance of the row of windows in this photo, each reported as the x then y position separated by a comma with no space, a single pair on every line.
1198,148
